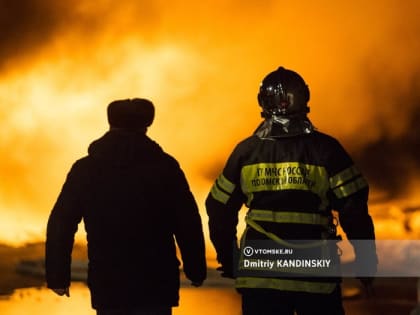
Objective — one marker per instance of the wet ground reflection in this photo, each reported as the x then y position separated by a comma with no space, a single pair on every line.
41,301
393,296
37,301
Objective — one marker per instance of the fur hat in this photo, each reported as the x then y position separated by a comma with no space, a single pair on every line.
136,113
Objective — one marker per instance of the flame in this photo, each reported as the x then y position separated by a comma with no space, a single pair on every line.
201,65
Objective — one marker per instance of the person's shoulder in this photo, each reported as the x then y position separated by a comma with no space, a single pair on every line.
326,139
248,142
170,159
161,156
82,163
332,150
245,145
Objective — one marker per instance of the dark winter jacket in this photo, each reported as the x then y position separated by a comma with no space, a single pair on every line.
135,202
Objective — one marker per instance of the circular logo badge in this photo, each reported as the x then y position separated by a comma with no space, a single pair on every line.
248,251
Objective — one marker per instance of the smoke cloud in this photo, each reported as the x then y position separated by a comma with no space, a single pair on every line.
27,25
62,62
390,154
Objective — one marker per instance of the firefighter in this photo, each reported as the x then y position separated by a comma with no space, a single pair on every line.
290,177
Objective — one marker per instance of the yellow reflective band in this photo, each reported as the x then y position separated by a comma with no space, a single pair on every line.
285,285
278,240
284,176
344,176
350,188
225,184
287,217
219,195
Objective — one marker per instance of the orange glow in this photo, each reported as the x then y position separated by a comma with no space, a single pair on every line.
43,301
201,64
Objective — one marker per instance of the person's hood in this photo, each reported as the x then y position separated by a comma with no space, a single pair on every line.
283,126
122,148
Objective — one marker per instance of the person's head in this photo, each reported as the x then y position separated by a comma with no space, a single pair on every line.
283,93
131,114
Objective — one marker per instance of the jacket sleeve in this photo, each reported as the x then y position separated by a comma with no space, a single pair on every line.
188,228
223,204
350,192
62,225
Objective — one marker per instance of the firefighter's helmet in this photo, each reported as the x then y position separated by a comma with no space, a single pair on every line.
283,93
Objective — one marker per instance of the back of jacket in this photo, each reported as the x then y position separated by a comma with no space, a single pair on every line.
290,185
135,201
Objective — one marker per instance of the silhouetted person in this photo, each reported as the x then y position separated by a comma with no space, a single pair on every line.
291,177
135,202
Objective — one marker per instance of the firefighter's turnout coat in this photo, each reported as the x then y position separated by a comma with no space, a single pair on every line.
290,185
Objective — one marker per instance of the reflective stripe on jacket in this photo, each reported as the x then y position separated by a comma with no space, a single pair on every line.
291,185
